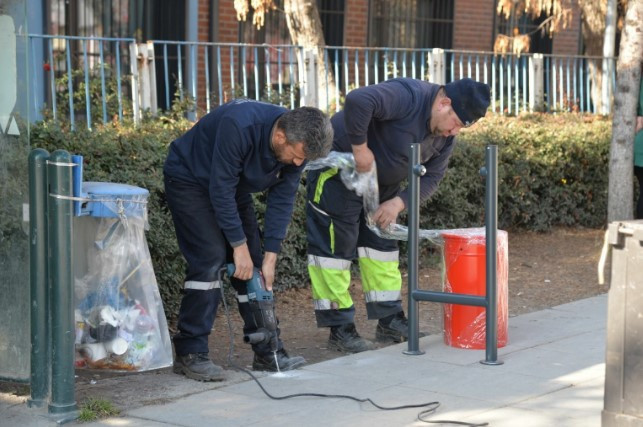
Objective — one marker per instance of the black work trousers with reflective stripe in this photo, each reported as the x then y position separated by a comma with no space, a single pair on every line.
335,228
207,251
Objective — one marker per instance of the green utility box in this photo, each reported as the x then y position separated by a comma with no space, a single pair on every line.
624,346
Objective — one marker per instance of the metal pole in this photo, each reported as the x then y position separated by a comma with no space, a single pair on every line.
491,231
59,171
40,363
416,170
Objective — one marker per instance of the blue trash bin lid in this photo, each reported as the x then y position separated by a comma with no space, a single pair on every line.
110,197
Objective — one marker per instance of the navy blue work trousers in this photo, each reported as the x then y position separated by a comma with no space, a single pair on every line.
207,251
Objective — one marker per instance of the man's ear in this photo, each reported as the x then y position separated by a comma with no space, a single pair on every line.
445,102
279,137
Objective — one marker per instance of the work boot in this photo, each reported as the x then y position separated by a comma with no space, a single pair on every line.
266,362
394,328
198,366
345,338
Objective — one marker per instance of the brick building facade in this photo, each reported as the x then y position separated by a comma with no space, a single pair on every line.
473,27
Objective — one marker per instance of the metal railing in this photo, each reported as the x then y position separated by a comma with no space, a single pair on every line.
218,72
70,65
101,79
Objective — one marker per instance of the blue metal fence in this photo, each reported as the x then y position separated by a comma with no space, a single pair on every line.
86,77
70,66
213,73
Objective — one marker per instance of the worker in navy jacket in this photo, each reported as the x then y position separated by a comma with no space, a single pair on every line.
378,124
242,147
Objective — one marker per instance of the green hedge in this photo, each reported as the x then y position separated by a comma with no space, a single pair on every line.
552,171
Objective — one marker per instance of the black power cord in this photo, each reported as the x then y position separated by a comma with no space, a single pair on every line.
431,407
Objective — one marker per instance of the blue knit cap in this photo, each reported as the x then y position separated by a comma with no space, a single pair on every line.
469,99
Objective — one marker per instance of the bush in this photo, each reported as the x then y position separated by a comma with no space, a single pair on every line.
553,170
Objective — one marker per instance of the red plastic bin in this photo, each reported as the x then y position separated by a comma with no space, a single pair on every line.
464,257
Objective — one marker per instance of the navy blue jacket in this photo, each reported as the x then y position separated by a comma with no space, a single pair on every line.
228,153
390,116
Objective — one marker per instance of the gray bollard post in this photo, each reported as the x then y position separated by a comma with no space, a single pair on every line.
491,232
59,173
40,357
416,170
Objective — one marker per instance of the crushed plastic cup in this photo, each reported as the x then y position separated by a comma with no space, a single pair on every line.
93,351
117,346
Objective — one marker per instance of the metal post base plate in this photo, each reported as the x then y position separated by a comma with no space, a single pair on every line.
413,352
492,362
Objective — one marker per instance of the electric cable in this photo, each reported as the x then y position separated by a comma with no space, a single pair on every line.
431,406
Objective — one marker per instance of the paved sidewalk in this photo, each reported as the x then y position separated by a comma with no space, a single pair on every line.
553,375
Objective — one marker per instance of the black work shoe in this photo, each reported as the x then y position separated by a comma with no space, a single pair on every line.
345,338
394,328
198,367
266,362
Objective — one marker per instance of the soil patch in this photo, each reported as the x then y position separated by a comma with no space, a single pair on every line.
545,270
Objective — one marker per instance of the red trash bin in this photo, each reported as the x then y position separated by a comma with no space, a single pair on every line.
464,258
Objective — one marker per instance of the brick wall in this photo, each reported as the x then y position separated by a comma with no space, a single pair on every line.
566,42
203,35
228,33
228,24
472,30
473,24
356,23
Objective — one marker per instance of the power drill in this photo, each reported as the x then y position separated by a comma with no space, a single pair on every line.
262,306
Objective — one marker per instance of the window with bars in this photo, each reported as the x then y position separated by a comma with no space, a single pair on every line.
275,30
411,23
539,42
140,19
264,62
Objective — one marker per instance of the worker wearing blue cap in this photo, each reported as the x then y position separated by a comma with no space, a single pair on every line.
377,125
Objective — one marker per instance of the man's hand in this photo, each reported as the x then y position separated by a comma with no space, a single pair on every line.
387,212
639,124
363,158
268,269
242,262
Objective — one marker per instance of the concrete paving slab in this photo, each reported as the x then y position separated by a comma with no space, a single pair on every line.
547,363
578,402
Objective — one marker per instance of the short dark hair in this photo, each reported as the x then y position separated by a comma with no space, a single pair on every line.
310,126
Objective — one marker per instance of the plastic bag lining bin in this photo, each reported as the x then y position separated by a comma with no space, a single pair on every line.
465,266
119,316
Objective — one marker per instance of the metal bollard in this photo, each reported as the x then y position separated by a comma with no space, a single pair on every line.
416,170
491,231
59,173
40,362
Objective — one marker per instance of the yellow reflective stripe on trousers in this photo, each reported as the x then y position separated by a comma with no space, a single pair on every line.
323,177
330,278
380,273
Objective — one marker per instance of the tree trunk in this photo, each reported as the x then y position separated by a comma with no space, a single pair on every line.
608,52
304,24
628,68
593,17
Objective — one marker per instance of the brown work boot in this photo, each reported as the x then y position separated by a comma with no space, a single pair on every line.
394,328
345,338
198,366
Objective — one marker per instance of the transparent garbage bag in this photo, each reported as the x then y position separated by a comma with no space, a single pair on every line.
119,316
464,259
365,185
